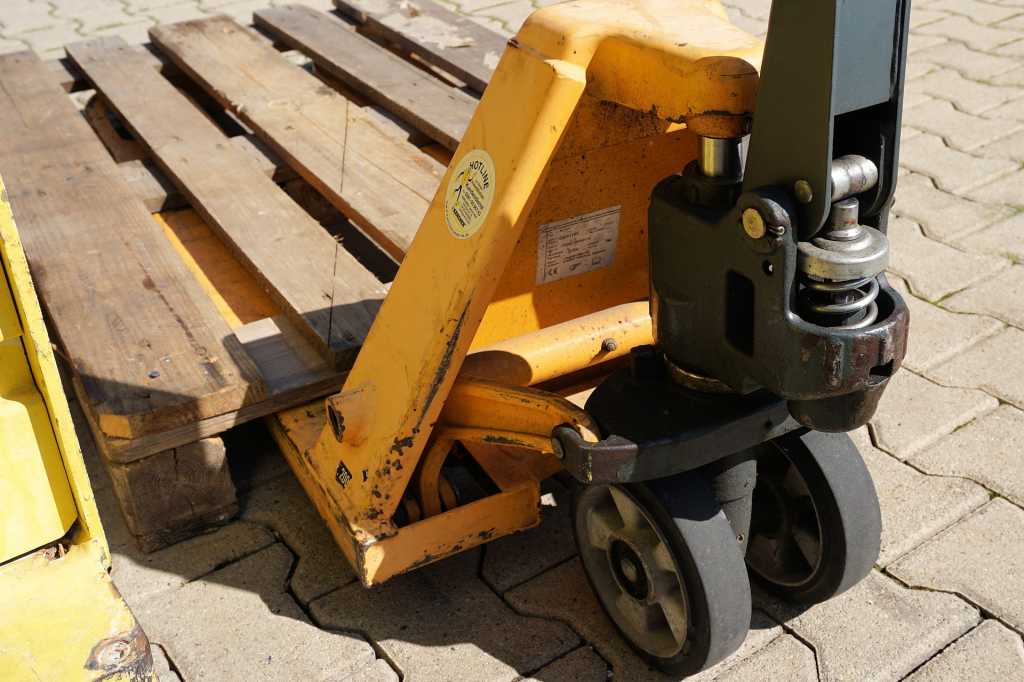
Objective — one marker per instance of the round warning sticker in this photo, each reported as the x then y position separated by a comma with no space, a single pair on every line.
470,192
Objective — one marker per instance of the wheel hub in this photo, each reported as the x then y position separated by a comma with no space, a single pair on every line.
629,570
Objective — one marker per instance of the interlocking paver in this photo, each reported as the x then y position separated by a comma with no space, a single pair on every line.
959,130
284,506
914,413
162,666
981,558
1005,190
938,334
1009,147
441,622
877,630
581,665
785,658
990,651
919,41
952,170
998,297
973,64
27,16
970,96
1013,109
378,671
239,623
942,215
1005,239
992,365
976,35
1014,49
922,17
914,506
933,269
563,593
517,558
988,450
1014,77
979,12
49,42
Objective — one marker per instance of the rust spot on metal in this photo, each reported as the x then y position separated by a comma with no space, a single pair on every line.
400,444
446,361
504,440
123,656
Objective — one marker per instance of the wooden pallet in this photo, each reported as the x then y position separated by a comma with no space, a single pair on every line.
211,237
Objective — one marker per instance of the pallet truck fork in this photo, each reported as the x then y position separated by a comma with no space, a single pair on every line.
603,285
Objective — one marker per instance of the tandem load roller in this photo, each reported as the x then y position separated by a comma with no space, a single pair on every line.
656,262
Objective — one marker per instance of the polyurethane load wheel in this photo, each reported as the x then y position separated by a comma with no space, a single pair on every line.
667,569
816,528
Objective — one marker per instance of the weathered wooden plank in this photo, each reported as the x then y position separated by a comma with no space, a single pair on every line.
150,348
434,108
381,182
328,293
451,41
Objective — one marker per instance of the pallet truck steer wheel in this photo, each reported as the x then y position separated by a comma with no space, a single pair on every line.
664,563
815,529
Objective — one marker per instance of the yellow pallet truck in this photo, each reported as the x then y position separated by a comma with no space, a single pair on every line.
655,262
61,618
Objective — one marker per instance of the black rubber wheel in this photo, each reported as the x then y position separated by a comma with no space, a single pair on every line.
816,528
667,569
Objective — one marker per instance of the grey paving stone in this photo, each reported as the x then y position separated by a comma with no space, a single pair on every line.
1012,77
1009,147
959,130
161,666
914,506
970,96
973,64
936,334
919,41
239,624
952,170
978,12
942,215
27,15
973,34
510,14
986,366
933,269
1004,190
49,42
563,593
988,450
1005,239
1013,110
997,296
785,658
922,17
7,45
283,505
981,558
441,622
378,671
876,630
512,560
581,665
990,651
914,413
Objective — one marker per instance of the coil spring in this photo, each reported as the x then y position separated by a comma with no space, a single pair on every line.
852,301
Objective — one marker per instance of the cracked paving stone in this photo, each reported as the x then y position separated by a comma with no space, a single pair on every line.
998,297
914,413
986,366
942,215
990,651
933,269
441,622
582,665
563,593
981,558
988,450
876,630
914,506
239,623
516,558
785,658
952,169
283,505
936,334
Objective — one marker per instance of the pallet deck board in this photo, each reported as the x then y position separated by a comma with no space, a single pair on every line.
151,350
434,108
381,182
439,36
328,293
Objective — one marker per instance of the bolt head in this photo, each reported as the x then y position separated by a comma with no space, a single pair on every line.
803,191
753,223
609,345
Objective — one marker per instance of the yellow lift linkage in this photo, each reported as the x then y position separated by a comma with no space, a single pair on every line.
484,340
61,618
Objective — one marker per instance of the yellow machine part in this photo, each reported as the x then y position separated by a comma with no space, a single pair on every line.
61,617
591,105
